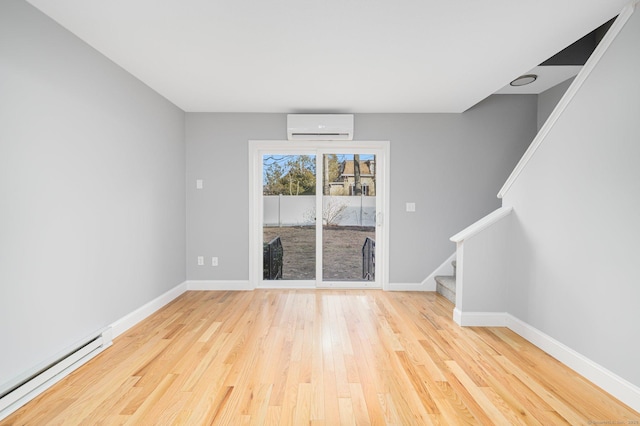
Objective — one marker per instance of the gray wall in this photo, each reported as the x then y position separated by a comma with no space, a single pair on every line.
548,100
92,198
450,165
218,215
574,266
483,264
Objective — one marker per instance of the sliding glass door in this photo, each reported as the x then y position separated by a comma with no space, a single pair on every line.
317,214
289,216
348,205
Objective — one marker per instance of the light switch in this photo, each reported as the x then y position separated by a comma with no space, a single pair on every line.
411,207
199,184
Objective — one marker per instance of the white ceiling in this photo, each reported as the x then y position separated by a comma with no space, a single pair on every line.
547,77
328,55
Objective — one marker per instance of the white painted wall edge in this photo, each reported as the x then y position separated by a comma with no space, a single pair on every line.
617,386
217,285
133,318
479,319
482,224
429,283
582,76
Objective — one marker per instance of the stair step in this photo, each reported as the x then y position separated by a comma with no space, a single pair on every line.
446,286
447,281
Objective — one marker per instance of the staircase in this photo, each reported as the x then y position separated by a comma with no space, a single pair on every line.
446,285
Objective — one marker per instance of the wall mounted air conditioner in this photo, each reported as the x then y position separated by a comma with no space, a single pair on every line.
320,127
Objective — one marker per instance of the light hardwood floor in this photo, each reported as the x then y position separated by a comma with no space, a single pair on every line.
324,357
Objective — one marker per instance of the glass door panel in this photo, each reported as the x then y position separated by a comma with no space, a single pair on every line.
289,217
348,217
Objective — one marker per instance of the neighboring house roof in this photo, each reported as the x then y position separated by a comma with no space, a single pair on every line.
347,168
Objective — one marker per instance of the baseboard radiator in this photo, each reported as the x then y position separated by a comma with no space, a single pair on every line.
18,394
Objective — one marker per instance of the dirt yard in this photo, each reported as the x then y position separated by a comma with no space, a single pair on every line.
342,256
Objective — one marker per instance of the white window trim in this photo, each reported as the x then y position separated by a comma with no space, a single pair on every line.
257,147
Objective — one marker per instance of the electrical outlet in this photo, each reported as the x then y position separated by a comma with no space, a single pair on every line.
411,207
200,260
214,261
199,184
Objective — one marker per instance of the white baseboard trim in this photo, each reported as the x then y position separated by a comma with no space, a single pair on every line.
214,285
457,316
283,285
409,287
429,283
480,319
617,386
133,318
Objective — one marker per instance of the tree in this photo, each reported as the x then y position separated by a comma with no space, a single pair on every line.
331,172
357,187
326,189
301,177
273,179
334,168
289,175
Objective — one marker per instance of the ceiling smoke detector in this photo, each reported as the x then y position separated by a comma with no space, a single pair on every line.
523,80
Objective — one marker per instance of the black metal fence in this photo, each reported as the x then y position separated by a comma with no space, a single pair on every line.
369,259
272,255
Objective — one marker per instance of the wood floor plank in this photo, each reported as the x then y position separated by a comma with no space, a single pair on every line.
320,357
346,411
371,381
317,411
359,405
452,408
290,394
390,413
493,413
302,413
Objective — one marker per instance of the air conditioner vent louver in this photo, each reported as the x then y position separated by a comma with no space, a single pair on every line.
313,127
